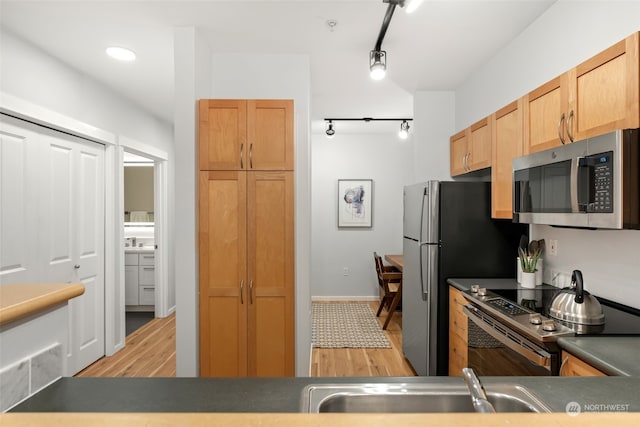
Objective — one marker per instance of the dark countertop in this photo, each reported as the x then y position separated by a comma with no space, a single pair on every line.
263,395
611,355
465,284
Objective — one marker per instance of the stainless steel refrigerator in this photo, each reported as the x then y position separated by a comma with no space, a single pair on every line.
448,232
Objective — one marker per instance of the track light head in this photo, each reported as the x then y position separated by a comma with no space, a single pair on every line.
377,64
404,130
411,5
330,130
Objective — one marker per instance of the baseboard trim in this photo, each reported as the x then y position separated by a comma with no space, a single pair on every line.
343,298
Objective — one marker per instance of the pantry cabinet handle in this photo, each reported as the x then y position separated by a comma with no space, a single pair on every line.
250,156
241,156
560,132
569,124
251,291
241,291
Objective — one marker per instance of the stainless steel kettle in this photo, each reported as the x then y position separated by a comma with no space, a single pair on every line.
576,305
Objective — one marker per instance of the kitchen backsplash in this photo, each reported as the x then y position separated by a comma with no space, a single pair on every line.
608,259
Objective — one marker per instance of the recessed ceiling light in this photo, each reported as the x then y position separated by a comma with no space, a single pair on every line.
121,54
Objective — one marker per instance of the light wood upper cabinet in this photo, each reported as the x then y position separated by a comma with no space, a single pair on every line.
245,134
471,148
270,134
480,145
605,91
507,144
459,153
222,134
546,110
598,96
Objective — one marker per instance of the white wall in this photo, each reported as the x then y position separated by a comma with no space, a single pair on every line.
32,75
568,33
192,81
388,161
433,124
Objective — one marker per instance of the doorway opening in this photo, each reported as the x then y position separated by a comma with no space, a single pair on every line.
139,244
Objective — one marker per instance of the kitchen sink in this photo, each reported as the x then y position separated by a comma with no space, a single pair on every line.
414,398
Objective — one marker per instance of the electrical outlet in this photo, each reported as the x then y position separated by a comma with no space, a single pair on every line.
345,271
553,247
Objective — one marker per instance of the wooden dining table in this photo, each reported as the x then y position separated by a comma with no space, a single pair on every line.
395,260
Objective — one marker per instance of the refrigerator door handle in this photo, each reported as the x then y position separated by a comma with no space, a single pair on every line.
432,271
425,292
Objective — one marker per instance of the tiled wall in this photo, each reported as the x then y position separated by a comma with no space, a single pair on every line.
29,375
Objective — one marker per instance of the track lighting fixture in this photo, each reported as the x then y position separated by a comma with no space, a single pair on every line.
330,130
404,126
378,57
404,130
377,64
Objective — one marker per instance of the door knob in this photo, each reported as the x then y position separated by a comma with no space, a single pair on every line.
77,266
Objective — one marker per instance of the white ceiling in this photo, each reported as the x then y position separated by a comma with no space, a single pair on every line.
435,48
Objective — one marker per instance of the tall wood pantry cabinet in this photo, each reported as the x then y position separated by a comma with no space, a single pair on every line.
245,237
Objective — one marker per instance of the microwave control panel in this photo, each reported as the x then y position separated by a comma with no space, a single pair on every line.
602,183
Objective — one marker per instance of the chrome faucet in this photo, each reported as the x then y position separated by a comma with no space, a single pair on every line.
478,395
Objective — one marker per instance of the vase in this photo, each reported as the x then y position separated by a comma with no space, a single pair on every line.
528,279
539,272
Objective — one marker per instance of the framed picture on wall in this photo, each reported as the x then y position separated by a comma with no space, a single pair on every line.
355,198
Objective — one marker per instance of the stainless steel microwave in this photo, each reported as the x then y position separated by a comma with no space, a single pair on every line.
593,183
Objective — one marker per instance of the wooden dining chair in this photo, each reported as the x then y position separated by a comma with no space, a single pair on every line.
390,282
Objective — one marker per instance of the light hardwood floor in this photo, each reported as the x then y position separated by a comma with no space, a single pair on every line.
151,352
365,362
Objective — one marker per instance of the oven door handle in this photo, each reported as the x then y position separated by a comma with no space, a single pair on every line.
539,357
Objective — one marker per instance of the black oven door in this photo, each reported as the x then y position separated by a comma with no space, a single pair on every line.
495,350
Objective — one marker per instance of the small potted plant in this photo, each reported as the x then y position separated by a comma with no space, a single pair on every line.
529,257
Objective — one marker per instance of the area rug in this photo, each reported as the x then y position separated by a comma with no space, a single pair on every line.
346,325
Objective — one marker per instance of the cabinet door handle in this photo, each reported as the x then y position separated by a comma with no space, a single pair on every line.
77,266
148,268
561,132
251,291
241,291
241,156
569,124
250,156
562,366
148,288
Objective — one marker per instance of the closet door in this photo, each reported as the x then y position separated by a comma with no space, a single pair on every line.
63,182
222,239
19,202
270,272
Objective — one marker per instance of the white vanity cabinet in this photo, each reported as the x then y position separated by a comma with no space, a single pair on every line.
139,278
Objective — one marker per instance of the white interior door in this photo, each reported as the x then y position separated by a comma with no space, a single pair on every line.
19,194
87,310
64,186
